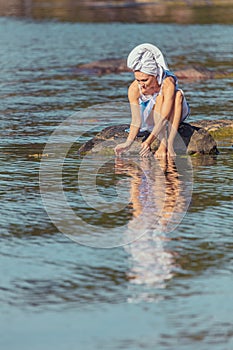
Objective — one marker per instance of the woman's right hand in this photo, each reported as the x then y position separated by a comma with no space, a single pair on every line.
122,147
145,149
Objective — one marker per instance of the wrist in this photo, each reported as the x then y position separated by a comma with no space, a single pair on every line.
150,139
129,142
147,143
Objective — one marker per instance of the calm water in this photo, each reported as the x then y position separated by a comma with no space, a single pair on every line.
168,290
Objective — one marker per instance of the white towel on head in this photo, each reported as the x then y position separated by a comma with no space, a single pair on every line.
147,59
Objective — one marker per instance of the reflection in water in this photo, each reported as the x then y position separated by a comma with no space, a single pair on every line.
204,160
176,200
160,189
151,266
166,197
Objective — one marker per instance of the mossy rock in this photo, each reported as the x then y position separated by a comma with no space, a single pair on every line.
191,140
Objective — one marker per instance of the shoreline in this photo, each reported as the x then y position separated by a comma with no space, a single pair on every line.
133,11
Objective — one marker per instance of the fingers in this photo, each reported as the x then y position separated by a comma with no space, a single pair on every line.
145,154
119,149
145,150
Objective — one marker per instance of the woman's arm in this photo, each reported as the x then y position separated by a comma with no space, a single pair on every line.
163,111
133,95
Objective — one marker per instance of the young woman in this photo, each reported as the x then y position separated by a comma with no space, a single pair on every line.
157,104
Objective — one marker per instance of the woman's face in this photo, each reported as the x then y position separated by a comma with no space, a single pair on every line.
148,83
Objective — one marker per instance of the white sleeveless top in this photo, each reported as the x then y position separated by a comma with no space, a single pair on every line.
147,102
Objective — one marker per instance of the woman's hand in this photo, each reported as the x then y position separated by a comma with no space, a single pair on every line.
145,149
123,147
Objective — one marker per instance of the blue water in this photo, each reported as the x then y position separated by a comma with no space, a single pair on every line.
169,290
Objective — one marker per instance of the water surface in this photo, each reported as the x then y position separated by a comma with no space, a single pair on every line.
167,290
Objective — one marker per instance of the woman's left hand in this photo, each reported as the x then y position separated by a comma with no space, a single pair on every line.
145,149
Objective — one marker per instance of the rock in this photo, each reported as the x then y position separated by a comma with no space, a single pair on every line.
194,73
213,125
222,128
198,73
105,66
197,140
193,140
110,133
118,65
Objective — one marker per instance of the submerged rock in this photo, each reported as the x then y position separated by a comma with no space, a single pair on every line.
192,139
118,65
105,66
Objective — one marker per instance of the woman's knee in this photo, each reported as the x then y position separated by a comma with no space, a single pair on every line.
159,100
158,103
179,97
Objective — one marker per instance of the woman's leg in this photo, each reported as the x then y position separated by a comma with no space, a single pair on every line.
162,149
174,122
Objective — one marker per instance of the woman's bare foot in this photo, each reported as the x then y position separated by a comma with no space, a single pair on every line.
170,152
161,151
